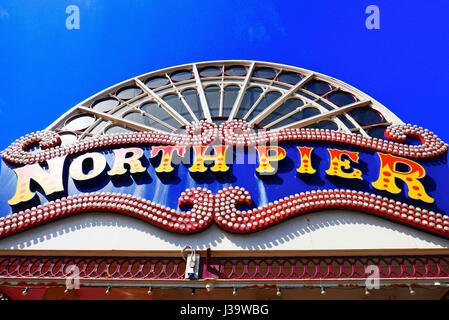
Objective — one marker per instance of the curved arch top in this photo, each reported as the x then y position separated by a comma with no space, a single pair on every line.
268,95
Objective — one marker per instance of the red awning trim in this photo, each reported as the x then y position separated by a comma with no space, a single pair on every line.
19,269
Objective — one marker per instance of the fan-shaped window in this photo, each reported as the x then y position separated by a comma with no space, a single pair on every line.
177,98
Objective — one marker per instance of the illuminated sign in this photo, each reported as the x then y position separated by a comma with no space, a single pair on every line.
242,180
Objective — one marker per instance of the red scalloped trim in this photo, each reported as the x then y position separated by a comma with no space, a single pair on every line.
222,208
203,133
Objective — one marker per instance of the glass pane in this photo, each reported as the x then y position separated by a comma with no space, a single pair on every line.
118,129
140,118
210,72
79,123
67,138
236,71
366,116
136,117
250,97
128,93
346,121
265,73
178,106
304,114
230,95
104,105
181,76
377,132
156,82
100,126
157,112
324,104
308,96
266,101
289,77
213,100
318,87
325,124
282,110
193,100
341,98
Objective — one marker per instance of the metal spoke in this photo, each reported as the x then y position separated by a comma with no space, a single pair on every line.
280,100
327,115
184,102
238,101
200,90
119,121
162,103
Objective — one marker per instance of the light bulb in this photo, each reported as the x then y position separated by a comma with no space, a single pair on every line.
209,287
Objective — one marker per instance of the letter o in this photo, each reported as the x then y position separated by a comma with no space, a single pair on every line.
76,168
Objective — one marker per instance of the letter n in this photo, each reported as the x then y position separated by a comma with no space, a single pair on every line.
50,181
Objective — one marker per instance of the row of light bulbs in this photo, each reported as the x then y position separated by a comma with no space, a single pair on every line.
234,291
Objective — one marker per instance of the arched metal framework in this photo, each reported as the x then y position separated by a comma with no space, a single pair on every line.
268,95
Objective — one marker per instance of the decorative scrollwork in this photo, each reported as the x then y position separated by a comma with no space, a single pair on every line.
223,208
235,132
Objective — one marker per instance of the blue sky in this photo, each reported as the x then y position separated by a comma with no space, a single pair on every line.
46,69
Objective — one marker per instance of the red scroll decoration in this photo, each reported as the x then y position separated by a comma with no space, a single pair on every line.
431,145
203,133
199,133
222,208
